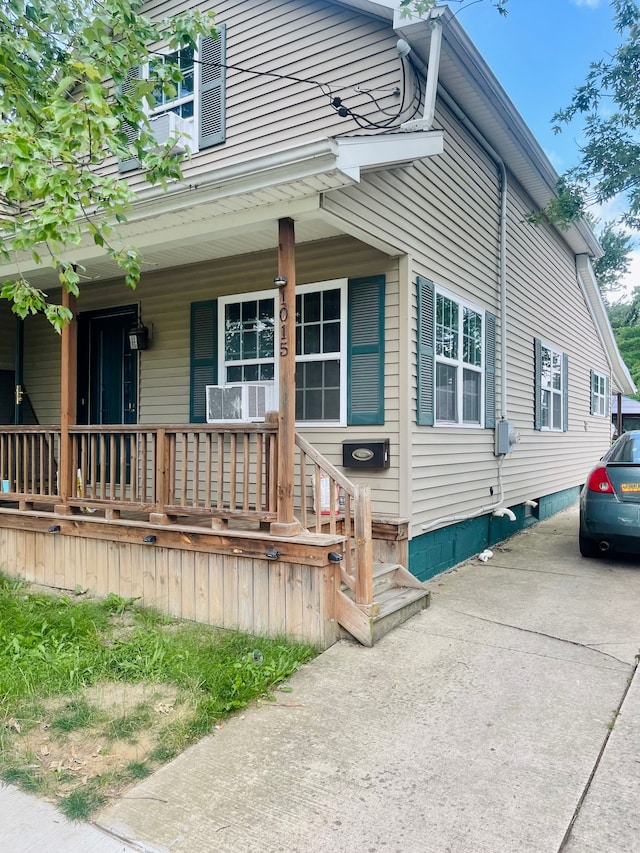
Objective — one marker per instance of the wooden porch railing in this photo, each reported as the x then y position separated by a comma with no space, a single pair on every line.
216,471
222,472
213,471
339,506
29,463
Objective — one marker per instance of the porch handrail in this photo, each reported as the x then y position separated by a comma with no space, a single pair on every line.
222,471
337,500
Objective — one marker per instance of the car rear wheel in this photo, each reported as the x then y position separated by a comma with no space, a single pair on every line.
588,547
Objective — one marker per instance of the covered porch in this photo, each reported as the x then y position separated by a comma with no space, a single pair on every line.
244,526
181,517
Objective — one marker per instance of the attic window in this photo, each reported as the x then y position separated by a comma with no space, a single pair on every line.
181,101
199,100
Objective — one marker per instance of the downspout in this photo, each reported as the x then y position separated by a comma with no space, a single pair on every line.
431,72
502,172
432,91
496,508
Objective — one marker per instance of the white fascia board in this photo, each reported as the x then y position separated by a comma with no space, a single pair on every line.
361,153
289,164
587,280
384,9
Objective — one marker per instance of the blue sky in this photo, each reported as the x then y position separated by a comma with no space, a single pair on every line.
540,52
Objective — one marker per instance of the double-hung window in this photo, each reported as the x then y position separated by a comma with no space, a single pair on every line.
182,100
248,352
459,362
339,345
600,398
551,387
247,338
456,360
199,99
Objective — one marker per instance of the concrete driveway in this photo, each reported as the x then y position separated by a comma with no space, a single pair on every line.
505,719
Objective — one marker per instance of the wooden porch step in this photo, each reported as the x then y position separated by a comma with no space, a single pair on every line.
397,596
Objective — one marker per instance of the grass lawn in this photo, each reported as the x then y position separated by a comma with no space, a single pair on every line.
95,694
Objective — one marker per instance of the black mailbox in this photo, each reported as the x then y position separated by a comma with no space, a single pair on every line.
365,454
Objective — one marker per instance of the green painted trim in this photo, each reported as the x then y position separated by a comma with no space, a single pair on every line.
365,351
203,356
438,550
425,391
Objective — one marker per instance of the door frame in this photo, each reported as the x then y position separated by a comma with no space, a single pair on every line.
85,365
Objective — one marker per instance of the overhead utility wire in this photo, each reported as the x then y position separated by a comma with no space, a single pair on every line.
336,102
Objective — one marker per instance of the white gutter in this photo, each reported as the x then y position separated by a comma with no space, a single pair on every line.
342,158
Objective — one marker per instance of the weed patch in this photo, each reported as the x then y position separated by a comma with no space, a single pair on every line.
97,694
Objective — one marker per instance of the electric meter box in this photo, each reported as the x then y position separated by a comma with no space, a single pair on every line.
503,438
365,454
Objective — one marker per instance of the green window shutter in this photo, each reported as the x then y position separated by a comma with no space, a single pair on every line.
425,366
592,377
204,356
365,365
129,131
212,89
490,371
607,397
537,383
565,392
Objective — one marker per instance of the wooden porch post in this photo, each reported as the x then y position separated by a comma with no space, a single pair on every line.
286,525
619,414
68,402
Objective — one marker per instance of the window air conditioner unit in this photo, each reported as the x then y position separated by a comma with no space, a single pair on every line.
171,126
243,403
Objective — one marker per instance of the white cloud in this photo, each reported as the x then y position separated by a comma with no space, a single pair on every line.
590,4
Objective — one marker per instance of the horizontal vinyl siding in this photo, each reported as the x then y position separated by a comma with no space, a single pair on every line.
165,299
444,212
42,368
7,336
384,484
309,41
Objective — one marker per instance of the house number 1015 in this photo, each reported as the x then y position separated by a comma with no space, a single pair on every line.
284,341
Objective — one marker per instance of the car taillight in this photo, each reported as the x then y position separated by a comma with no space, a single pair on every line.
599,482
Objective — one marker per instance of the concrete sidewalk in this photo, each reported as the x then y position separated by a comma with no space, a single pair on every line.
487,723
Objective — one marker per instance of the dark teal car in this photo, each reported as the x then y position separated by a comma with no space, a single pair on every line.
610,501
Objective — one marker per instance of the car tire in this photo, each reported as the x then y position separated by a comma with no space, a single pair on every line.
588,548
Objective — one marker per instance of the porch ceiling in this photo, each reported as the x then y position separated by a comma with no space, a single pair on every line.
196,232
235,210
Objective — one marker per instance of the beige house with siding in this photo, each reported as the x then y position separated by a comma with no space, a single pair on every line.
453,363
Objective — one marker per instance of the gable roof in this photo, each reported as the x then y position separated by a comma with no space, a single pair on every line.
629,406
471,84
466,77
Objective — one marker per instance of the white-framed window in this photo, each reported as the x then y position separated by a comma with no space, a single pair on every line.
599,394
459,361
247,351
321,340
199,100
182,101
248,338
551,386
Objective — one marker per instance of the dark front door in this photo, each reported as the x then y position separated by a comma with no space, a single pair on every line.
107,368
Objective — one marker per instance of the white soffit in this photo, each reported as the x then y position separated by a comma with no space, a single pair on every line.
468,79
